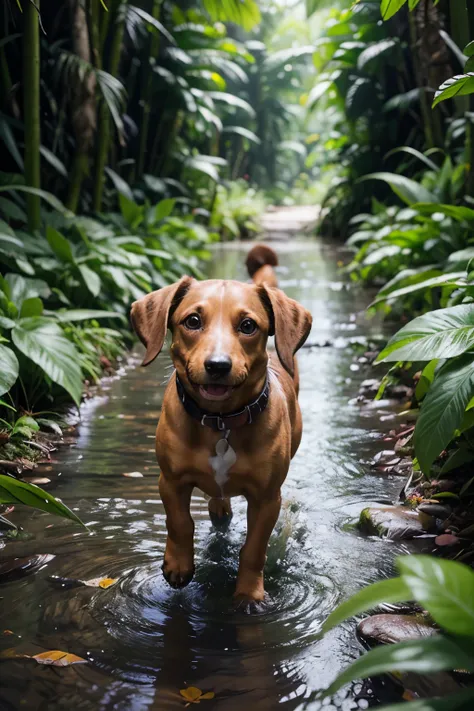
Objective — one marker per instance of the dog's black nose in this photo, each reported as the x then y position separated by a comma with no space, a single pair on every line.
218,365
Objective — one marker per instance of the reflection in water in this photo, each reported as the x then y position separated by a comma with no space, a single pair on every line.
145,641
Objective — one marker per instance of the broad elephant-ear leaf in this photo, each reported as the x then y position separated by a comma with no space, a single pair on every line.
444,588
459,85
462,701
16,492
444,333
392,590
442,410
9,369
43,341
422,656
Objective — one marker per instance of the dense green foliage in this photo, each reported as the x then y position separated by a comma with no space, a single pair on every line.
446,590
156,123
402,137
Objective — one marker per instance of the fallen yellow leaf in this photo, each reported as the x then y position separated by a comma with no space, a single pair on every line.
56,658
100,582
193,695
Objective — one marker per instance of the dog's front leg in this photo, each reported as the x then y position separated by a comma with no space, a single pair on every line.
261,519
178,566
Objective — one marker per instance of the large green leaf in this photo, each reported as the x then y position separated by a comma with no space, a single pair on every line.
9,369
407,189
462,701
392,590
444,588
388,8
416,154
319,90
54,161
43,341
459,85
244,132
202,165
443,409
457,212
91,279
423,656
164,208
233,101
85,315
6,134
60,245
151,22
451,279
376,50
242,12
120,184
444,333
47,197
15,492
31,307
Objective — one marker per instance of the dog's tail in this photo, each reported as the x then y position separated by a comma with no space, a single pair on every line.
260,262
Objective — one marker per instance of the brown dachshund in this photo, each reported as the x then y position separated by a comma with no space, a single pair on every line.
230,421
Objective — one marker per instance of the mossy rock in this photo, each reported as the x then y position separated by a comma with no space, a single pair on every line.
394,522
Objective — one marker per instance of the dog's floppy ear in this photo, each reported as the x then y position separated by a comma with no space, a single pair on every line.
290,323
150,315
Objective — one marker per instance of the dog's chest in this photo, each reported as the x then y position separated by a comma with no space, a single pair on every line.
222,461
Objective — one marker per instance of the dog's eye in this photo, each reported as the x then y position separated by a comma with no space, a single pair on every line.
248,327
193,322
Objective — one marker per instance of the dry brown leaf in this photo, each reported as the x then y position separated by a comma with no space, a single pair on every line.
193,695
56,658
133,475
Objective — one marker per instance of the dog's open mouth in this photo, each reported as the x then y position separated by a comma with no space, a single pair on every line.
215,392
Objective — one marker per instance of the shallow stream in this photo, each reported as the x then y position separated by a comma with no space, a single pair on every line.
145,641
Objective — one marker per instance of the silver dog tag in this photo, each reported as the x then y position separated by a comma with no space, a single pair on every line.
225,458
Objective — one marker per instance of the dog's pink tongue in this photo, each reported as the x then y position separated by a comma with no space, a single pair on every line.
217,389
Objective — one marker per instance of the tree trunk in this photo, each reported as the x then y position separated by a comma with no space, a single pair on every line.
31,101
147,91
84,108
104,132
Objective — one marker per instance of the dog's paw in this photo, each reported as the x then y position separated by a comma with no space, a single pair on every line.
248,605
176,575
220,512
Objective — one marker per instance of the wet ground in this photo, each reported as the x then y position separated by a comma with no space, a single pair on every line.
144,641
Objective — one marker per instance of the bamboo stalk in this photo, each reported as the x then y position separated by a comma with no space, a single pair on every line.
146,93
104,133
31,100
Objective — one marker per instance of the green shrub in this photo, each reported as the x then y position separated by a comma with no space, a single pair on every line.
446,590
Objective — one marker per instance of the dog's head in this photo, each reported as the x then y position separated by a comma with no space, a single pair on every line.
219,335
